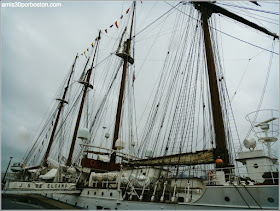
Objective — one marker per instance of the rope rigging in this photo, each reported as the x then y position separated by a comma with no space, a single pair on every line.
180,119
247,8
263,92
232,36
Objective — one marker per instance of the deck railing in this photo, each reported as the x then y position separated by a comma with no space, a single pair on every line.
244,177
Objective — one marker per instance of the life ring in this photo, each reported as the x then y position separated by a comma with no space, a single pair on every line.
92,163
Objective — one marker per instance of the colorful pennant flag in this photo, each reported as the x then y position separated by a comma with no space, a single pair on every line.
106,30
87,49
111,25
116,23
127,10
121,17
91,44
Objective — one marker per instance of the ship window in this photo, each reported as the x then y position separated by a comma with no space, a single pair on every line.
95,193
88,192
111,194
227,199
256,166
181,199
270,199
102,193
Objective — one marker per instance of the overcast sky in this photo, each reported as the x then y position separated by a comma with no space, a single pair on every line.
38,46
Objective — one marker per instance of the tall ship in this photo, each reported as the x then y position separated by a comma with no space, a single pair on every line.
88,152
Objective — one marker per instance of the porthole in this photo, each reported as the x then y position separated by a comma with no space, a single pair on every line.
227,199
256,166
270,199
111,194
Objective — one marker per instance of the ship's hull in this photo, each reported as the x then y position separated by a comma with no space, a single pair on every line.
214,197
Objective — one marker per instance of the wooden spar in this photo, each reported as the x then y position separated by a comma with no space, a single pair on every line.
199,157
220,137
212,8
62,101
81,106
122,87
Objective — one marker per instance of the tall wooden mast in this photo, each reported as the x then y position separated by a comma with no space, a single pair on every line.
62,101
86,85
220,137
206,156
206,10
126,57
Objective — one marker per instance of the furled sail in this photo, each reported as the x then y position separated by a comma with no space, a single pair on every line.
193,158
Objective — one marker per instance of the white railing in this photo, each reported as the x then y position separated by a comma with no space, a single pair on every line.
231,175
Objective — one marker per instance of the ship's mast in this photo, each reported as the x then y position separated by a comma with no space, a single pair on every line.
86,86
206,10
206,156
62,101
126,57
220,137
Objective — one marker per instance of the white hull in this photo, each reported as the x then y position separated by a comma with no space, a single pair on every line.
214,197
